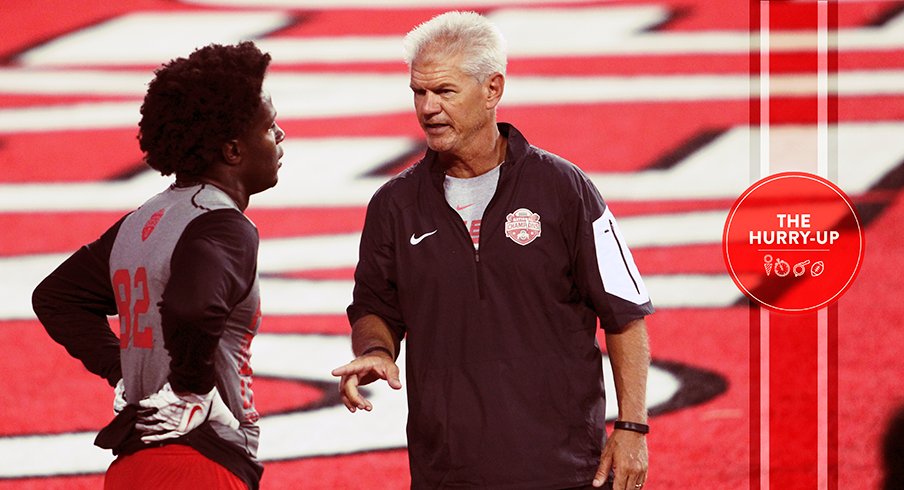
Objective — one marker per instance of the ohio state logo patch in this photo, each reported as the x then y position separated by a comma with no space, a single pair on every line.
151,224
522,226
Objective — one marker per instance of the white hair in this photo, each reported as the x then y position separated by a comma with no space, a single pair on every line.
467,33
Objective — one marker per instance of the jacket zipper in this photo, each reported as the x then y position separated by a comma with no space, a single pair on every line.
486,211
461,226
477,268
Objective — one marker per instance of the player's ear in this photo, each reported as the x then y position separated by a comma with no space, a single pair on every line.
232,152
494,86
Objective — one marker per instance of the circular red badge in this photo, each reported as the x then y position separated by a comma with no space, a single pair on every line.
792,242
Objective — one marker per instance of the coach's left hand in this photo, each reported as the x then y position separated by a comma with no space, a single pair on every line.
626,454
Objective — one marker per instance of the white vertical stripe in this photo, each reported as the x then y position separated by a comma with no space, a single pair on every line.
764,89
764,314
822,90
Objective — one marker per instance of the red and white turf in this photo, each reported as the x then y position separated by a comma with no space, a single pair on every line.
649,97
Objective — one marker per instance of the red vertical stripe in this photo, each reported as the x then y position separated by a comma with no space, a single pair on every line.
832,402
754,389
793,401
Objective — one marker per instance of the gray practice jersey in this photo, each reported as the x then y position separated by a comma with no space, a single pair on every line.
140,265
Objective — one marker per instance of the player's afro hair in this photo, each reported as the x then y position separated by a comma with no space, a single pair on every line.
194,105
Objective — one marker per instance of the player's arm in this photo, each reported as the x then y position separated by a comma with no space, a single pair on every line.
213,268
73,303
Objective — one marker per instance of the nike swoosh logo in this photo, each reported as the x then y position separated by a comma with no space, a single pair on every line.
459,208
194,410
415,240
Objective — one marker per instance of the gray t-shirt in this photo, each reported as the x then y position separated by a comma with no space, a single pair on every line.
470,197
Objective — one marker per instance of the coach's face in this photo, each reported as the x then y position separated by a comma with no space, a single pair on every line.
451,105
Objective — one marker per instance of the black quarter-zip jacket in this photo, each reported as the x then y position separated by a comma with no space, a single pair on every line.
504,373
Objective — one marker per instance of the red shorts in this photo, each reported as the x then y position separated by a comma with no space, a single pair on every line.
173,466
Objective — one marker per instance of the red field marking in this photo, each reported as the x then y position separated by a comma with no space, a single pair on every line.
386,470
23,25
9,101
344,273
796,110
348,22
593,135
312,324
365,126
36,233
623,209
91,482
53,392
294,222
698,259
70,156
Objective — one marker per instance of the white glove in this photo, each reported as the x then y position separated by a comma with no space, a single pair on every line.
119,397
219,412
166,415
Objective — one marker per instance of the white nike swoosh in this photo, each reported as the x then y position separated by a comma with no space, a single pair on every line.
415,240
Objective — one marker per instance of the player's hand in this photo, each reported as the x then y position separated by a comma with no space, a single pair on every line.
626,454
119,397
219,412
167,415
362,371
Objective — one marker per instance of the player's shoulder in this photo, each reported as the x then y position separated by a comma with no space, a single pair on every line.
223,224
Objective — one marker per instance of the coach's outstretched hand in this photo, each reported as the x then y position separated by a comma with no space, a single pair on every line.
362,371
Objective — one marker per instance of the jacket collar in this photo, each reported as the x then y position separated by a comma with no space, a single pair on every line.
514,153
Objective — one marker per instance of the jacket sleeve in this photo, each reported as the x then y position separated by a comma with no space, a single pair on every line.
73,303
376,291
605,272
213,268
